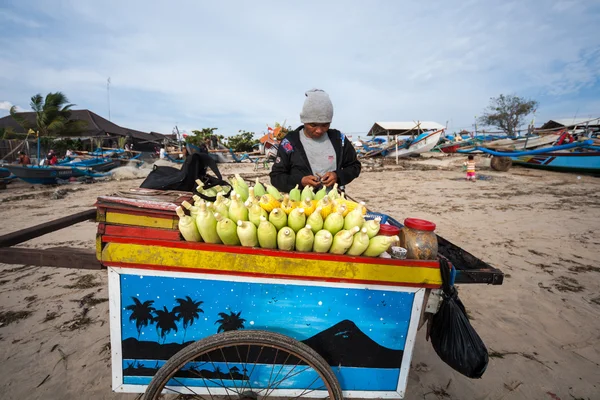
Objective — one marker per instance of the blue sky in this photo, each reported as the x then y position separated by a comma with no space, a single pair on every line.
241,65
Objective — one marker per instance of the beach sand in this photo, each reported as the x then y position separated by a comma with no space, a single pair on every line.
542,326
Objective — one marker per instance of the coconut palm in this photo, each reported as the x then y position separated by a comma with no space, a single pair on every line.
51,116
165,322
231,322
141,313
188,310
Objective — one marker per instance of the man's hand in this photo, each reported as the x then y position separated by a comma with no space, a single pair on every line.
329,179
310,180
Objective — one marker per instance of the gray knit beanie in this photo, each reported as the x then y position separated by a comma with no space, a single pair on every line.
317,107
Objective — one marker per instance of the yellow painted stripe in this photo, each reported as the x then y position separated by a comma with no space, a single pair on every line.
99,247
140,220
270,265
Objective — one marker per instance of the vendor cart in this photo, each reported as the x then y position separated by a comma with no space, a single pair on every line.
202,320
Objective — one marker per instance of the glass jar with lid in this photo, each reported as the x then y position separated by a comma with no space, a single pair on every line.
419,239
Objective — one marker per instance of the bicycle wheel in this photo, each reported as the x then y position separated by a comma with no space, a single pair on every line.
245,365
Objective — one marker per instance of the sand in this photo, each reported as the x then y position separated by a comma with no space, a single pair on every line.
542,326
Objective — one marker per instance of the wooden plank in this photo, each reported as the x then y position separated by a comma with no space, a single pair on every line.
62,257
26,234
137,232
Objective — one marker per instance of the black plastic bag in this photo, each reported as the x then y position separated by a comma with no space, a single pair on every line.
452,336
184,179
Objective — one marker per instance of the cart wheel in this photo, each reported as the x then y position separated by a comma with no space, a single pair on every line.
261,362
501,164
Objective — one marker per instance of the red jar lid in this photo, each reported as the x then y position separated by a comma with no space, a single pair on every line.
419,224
388,230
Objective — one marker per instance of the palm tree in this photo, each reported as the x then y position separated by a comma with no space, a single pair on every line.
141,313
165,322
188,310
51,116
231,322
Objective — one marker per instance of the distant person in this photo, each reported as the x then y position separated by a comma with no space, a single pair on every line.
470,166
24,158
51,158
162,153
214,140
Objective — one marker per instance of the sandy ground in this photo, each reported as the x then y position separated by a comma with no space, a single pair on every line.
542,326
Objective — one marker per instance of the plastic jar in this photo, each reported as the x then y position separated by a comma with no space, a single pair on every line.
419,239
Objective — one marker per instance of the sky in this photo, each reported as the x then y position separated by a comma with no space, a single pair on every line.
298,311
240,65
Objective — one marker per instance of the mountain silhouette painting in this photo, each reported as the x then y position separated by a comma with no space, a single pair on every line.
343,344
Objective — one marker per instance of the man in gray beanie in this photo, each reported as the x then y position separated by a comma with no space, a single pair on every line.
313,154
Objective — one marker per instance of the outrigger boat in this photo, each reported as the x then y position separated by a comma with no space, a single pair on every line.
47,175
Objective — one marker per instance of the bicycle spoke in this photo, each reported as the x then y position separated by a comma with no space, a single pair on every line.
229,370
278,372
227,389
312,390
245,368
184,385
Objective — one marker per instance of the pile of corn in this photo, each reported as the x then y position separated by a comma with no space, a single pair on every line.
300,220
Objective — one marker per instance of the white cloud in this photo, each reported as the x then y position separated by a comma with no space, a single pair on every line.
5,105
244,65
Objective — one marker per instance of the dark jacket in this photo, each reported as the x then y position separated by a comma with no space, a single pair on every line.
291,164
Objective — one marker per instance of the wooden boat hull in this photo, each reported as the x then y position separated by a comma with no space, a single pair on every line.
586,162
44,175
423,144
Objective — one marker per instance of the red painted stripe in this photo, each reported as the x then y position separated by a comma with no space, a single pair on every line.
257,275
272,253
136,232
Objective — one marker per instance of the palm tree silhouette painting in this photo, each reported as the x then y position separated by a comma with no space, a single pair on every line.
165,322
231,322
188,310
141,313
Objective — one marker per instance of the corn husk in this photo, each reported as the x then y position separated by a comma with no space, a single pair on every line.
220,206
267,234
334,222
354,218
272,190
372,226
360,242
192,209
379,244
321,193
227,230
342,241
309,206
278,218
315,220
297,219
247,233
259,189
286,239
240,186
187,227
197,200
268,203
333,193
295,194
307,193
326,206
305,239
237,210
323,241
207,225
254,214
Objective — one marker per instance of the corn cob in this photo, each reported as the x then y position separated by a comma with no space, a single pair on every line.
268,203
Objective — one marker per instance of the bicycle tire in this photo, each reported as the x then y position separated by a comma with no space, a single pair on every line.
244,338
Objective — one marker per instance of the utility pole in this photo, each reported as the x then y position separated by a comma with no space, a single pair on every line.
108,95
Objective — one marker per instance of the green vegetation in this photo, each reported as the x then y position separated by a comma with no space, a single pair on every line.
507,113
51,116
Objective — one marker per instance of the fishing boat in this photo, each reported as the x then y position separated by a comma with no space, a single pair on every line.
96,164
567,161
50,175
422,143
